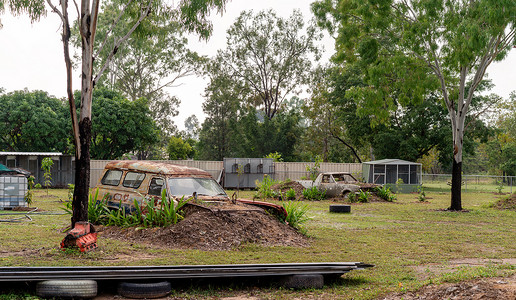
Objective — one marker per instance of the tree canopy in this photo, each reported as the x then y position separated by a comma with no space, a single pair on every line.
33,121
269,57
410,48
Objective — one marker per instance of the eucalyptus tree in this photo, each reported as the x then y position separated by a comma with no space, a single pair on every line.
155,57
192,15
270,56
221,107
412,47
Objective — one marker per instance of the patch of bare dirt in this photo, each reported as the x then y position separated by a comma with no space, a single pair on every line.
490,288
214,230
429,270
507,203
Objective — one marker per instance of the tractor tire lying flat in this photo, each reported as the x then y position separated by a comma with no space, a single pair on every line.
67,289
144,290
340,208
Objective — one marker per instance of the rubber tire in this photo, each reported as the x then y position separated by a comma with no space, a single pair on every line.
144,290
340,208
67,288
302,281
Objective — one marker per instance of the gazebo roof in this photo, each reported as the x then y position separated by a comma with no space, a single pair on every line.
390,162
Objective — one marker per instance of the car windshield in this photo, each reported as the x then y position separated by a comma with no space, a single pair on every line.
202,186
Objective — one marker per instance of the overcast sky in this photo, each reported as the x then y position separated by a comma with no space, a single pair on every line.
31,55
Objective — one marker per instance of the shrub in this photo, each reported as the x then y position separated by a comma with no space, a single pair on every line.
422,196
37,186
290,194
265,188
46,165
314,193
385,193
363,196
97,209
71,189
296,214
30,192
360,196
147,214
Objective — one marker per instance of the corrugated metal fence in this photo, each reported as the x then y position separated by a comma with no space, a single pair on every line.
283,170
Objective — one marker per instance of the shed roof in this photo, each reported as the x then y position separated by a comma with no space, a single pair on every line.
32,153
390,162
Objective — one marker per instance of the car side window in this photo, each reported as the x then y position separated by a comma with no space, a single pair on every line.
327,179
155,186
133,180
112,177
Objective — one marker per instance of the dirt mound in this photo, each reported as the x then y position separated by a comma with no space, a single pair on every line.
214,230
507,203
283,187
492,288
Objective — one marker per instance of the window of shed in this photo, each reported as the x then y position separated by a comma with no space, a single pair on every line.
133,180
112,177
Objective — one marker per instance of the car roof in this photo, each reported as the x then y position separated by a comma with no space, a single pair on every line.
164,168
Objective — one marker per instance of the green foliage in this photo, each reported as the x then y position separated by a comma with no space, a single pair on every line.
269,57
385,193
178,149
119,125
34,8
152,59
265,190
33,122
360,197
296,214
147,213
257,138
276,157
499,186
46,166
37,186
30,190
313,171
290,194
421,194
71,189
314,193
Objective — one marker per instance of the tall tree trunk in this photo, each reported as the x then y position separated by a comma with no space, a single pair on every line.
82,175
88,22
456,187
458,142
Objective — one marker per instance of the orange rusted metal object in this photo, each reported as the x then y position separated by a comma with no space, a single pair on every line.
157,168
82,236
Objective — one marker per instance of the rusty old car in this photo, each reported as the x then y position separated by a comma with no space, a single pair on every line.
336,184
123,182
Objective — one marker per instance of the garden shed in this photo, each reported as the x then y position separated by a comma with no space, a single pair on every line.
62,170
395,173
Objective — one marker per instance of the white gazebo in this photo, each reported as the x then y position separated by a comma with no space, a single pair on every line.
393,172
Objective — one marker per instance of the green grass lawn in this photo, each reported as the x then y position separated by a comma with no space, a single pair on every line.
411,244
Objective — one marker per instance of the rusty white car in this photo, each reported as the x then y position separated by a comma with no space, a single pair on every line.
125,181
336,184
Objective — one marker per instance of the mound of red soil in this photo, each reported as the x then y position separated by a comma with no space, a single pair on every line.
287,185
507,203
214,230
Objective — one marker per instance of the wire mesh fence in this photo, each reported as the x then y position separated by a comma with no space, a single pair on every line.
473,183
